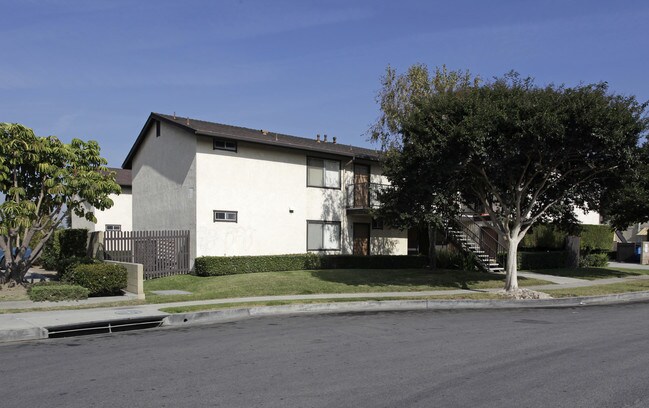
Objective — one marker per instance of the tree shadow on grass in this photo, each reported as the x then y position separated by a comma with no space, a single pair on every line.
405,277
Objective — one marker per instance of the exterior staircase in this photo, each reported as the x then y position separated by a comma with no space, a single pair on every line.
490,258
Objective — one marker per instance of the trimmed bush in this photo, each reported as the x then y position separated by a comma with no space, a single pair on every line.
230,265
542,260
51,252
55,292
596,238
544,237
63,266
73,242
455,260
594,260
101,279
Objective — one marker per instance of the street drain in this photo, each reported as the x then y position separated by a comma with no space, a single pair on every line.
113,326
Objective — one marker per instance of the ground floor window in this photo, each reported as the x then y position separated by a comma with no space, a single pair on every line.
225,216
323,235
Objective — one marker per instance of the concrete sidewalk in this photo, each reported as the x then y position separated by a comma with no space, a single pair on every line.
40,324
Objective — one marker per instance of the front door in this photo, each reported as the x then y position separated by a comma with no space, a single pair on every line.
361,186
361,238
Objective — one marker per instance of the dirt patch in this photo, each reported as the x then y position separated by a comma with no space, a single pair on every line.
523,294
13,293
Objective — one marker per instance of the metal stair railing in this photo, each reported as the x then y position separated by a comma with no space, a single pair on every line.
490,257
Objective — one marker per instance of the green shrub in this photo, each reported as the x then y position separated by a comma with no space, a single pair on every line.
55,292
544,237
230,265
73,243
63,266
455,260
51,252
542,260
101,279
596,238
597,260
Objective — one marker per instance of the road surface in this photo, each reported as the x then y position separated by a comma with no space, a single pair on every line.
584,357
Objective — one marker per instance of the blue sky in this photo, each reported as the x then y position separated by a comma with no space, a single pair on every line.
96,69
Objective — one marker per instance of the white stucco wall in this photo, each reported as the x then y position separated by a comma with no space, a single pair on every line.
164,182
592,218
267,186
120,213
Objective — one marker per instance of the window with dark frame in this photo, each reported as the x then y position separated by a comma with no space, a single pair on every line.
113,227
324,173
223,144
323,235
377,224
225,216
157,128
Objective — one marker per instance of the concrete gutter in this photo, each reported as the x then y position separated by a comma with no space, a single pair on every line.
38,325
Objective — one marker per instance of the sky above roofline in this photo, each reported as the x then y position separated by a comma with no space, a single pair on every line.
95,70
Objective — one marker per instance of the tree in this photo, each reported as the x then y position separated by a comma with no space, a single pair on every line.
526,153
415,204
42,179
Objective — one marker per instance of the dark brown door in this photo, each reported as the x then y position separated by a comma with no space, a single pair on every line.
489,241
361,186
361,239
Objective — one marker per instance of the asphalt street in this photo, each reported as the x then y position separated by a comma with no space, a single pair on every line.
582,357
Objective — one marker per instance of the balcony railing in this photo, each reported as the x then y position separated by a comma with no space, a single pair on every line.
363,196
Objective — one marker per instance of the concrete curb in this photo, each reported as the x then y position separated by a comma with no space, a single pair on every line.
229,315
28,333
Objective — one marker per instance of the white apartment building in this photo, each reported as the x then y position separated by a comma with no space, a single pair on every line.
243,191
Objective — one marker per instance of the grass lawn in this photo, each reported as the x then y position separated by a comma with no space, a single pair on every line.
633,286
200,308
322,281
593,273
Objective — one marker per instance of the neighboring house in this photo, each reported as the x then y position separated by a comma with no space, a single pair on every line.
116,218
242,191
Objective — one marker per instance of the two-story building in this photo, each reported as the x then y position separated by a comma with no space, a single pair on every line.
243,191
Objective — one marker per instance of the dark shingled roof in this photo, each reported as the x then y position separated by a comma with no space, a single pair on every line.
200,127
122,176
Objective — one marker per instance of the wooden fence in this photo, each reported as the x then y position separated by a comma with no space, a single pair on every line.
162,253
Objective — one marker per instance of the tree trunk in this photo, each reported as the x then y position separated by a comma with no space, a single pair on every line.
511,269
432,252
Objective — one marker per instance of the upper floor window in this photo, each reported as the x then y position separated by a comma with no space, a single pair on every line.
323,173
222,144
113,227
225,216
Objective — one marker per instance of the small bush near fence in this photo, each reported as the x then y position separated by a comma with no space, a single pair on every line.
597,260
55,292
101,279
542,260
63,266
229,265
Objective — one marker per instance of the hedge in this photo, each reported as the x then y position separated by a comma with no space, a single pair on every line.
596,238
54,292
63,266
459,260
230,265
51,252
101,279
73,242
544,237
542,260
597,260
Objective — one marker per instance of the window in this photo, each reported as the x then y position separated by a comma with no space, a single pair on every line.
113,227
323,173
157,128
222,144
322,235
377,223
225,216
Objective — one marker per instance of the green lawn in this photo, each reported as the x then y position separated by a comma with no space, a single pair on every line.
634,286
322,281
593,273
